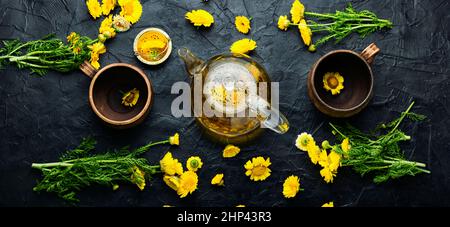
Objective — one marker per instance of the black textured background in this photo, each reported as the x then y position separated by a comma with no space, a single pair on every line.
41,117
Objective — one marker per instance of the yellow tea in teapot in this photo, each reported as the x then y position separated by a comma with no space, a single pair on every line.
231,97
227,84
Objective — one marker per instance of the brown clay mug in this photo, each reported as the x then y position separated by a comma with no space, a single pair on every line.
358,81
106,90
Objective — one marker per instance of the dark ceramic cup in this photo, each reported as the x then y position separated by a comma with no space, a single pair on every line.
106,91
358,81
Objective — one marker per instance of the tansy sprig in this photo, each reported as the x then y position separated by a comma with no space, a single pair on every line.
79,168
337,25
48,53
378,154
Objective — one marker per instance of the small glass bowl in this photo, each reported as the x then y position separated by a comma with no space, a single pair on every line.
166,55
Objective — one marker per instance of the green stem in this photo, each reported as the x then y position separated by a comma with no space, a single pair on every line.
321,25
319,30
6,56
320,15
402,117
160,142
51,164
395,160
34,65
21,46
335,129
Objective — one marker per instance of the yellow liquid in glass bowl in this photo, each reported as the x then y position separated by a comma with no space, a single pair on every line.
152,45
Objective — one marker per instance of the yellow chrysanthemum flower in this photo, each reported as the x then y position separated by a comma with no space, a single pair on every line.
94,61
334,82
170,166
138,177
96,49
345,145
108,6
242,24
106,28
194,163
200,17
291,186
335,160
120,24
230,151
330,163
305,32
73,40
258,168
283,23
313,153
297,11
327,174
303,140
130,98
243,46
175,139
330,204
172,181
94,8
188,183
218,180
131,10
324,161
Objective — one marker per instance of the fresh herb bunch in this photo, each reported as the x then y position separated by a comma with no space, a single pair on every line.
78,168
343,23
48,53
379,154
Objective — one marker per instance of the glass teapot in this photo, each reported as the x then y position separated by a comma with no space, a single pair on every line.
229,97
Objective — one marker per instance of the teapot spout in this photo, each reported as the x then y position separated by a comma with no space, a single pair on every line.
193,63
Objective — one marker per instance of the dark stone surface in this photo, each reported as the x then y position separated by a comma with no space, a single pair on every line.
40,117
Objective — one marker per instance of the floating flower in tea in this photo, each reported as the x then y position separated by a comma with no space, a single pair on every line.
130,98
334,82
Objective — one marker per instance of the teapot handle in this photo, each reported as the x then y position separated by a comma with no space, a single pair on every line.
268,116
